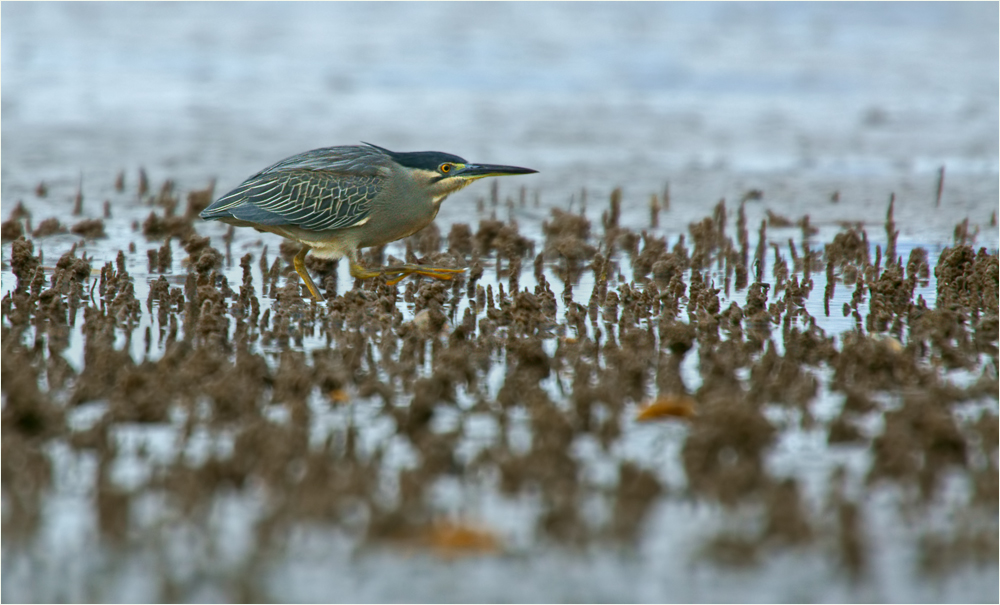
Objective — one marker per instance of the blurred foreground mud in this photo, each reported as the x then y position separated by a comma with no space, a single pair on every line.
357,413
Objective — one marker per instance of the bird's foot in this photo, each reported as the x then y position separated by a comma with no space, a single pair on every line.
398,273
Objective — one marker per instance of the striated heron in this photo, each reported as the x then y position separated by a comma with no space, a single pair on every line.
337,200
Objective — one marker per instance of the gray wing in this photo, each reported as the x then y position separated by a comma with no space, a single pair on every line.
322,189
310,199
346,159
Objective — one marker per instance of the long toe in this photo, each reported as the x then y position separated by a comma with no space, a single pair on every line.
441,273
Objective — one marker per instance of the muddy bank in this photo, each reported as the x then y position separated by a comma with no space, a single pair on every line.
598,391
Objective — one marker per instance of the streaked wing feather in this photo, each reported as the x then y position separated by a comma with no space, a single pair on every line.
328,188
312,199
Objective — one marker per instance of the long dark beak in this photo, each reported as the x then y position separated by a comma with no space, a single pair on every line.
478,171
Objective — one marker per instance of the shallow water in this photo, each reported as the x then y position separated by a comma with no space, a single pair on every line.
796,101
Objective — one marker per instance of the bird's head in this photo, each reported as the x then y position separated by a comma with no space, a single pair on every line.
443,173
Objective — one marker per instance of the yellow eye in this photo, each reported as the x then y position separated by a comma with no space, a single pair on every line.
445,168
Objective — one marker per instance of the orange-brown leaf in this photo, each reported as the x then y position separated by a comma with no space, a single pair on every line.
667,406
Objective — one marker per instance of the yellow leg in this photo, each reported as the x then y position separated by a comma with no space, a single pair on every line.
401,272
300,268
